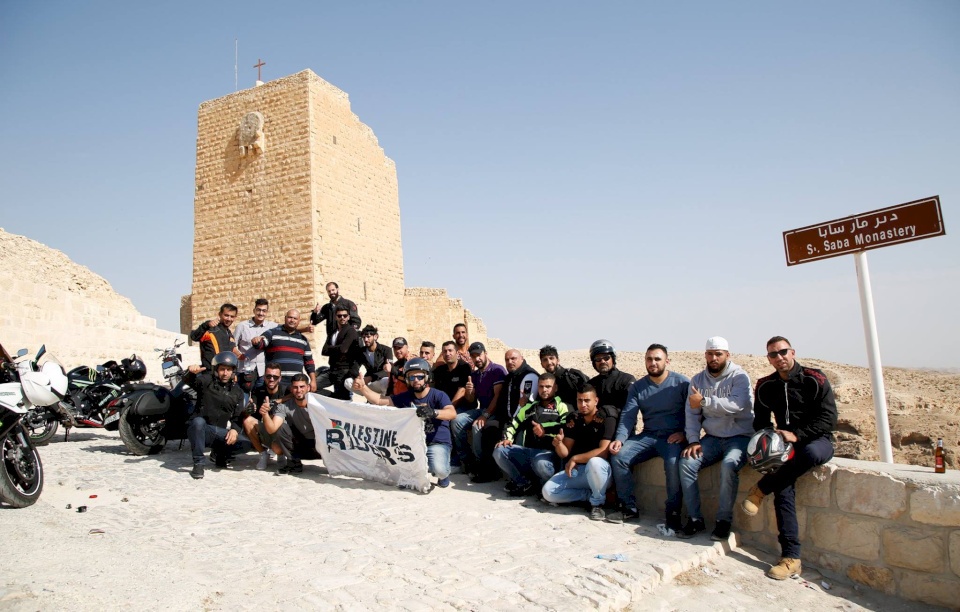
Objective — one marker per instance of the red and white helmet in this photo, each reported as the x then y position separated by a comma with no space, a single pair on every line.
767,451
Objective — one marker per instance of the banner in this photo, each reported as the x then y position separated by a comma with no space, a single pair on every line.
370,442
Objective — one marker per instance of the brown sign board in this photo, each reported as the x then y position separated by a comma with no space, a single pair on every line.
870,230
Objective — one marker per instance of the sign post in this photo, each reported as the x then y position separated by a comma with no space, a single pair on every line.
857,234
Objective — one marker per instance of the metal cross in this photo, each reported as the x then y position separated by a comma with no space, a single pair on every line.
260,63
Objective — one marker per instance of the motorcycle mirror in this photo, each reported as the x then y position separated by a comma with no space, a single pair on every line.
21,353
100,368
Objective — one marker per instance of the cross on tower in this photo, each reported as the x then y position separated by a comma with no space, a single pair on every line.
260,63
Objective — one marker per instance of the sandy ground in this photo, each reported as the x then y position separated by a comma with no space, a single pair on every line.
154,539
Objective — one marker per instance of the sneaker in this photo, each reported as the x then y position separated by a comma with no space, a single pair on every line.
281,461
197,472
293,466
597,513
262,462
443,483
523,490
751,505
674,522
721,533
623,514
510,487
786,568
692,528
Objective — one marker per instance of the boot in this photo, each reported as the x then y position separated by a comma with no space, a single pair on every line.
751,505
785,569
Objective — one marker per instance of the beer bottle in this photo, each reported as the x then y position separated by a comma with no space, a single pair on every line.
938,465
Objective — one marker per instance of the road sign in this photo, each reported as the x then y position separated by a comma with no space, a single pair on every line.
878,228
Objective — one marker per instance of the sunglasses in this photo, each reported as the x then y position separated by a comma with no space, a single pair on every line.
781,352
602,358
343,316
270,377
416,377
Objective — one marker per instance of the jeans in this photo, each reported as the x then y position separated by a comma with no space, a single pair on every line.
201,435
805,458
733,453
438,460
460,429
520,464
637,449
589,481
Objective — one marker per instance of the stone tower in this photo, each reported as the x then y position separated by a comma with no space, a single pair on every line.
293,191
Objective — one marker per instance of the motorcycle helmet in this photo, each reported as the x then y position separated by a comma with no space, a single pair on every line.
603,347
767,451
417,365
225,358
134,368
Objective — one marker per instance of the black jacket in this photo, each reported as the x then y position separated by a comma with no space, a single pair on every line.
327,313
212,340
381,357
569,382
612,390
803,404
343,353
217,402
510,393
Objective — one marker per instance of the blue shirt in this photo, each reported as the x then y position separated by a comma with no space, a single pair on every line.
662,406
436,399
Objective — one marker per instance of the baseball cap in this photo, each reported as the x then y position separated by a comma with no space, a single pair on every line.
477,347
399,341
717,343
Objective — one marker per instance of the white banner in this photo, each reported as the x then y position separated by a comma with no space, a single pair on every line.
370,442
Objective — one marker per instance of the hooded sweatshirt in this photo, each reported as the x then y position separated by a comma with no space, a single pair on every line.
728,405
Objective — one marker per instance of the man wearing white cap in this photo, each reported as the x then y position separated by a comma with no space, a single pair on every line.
720,403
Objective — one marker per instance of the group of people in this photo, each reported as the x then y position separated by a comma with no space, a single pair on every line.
559,434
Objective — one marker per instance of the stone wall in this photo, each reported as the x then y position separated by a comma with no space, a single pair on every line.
894,528
319,203
49,299
431,315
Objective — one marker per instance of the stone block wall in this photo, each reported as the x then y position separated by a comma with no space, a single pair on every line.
50,300
431,315
893,528
319,203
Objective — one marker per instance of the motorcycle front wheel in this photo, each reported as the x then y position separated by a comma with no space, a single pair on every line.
21,473
141,436
41,425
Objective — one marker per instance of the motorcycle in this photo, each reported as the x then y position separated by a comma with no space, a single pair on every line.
149,414
23,385
89,393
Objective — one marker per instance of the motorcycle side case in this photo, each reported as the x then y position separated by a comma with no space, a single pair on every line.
150,402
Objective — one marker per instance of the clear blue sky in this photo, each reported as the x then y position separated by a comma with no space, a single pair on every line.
571,170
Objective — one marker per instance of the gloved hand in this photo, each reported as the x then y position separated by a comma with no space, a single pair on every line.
426,412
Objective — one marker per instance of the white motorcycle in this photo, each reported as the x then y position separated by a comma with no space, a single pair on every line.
23,385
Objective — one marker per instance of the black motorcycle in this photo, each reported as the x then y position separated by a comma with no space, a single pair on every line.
90,392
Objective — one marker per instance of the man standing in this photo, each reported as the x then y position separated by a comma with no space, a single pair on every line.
432,405
290,427
401,352
481,394
802,402
342,349
569,380
327,312
251,358
376,358
428,350
263,396
452,375
215,336
219,405
584,449
720,403
461,340
526,455
611,384
659,397
288,347
519,388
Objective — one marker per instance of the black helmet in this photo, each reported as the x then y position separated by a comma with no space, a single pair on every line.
225,358
767,451
417,365
134,368
603,347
